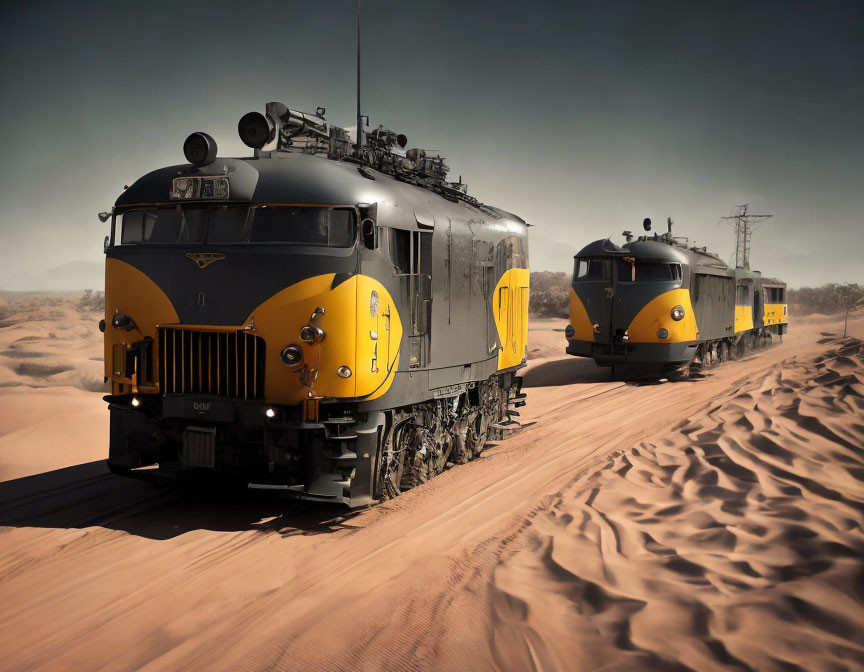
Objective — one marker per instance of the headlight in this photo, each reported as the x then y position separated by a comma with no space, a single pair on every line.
310,334
662,333
677,313
569,331
343,372
291,355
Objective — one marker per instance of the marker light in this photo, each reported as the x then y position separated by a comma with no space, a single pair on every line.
677,313
662,333
200,149
270,413
255,130
136,402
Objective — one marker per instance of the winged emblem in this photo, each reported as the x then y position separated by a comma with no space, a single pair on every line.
204,259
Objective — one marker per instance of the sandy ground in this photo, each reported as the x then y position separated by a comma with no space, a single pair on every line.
713,524
50,366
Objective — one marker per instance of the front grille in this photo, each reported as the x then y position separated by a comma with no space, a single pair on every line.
224,364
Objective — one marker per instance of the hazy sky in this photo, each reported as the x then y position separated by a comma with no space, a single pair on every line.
581,117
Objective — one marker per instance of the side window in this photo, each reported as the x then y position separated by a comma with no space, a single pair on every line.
411,256
593,269
581,269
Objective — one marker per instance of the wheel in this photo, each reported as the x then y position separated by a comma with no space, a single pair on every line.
392,462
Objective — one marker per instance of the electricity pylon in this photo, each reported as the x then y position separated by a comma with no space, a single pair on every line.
744,222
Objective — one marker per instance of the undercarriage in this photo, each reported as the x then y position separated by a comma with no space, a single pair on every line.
345,455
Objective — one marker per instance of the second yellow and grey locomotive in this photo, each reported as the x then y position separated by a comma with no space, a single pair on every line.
658,300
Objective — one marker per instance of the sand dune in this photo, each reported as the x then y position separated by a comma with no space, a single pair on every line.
733,541
50,371
710,524
49,340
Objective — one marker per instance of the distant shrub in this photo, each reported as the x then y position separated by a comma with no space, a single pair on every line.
27,302
91,301
550,294
827,299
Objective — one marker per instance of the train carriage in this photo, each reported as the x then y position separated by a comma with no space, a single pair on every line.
328,318
658,300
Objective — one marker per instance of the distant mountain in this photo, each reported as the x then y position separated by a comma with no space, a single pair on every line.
77,275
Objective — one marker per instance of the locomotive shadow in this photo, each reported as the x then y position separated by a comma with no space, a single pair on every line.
574,370
565,371
87,495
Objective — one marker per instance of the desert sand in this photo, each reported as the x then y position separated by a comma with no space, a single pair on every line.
51,363
711,524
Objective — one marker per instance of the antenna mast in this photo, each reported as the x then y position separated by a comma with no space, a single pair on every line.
743,223
358,141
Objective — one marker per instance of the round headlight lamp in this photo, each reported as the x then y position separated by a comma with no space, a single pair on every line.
569,331
662,333
343,372
291,355
200,149
677,313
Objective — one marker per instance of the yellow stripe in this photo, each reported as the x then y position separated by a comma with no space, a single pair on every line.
743,318
510,312
583,329
775,313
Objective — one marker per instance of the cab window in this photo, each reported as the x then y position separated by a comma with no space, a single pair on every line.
328,227
226,224
648,271
591,269
169,224
221,224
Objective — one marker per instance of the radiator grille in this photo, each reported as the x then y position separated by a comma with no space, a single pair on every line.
224,364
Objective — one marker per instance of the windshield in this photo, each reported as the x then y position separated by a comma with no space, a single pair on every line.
647,271
217,224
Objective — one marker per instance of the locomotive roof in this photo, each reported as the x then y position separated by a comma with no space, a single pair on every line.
658,250
296,178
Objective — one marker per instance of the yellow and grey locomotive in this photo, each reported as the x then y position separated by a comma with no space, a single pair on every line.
658,300
330,317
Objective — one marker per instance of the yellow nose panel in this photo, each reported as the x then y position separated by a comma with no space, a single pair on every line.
656,315
131,292
356,342
510,311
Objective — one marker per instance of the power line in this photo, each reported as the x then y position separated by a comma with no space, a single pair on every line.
744,222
